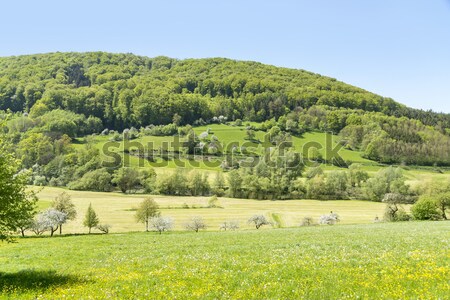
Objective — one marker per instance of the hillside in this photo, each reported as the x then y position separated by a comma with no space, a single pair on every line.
118,91
202,127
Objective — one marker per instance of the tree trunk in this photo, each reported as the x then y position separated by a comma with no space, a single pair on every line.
60,229
90,230
146,225
22,230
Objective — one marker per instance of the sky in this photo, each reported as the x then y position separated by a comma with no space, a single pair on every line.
395,48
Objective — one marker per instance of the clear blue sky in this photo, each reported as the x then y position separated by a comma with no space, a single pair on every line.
396,48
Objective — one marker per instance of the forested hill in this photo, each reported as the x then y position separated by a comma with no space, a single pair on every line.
124,90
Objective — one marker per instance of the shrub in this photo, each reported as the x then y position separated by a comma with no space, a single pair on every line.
329,219
40,180
307,221
425,209
104,228
213,202
98,180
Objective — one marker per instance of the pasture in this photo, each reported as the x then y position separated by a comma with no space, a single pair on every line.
118,210
372,261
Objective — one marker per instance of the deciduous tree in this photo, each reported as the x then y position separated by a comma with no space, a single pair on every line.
146,211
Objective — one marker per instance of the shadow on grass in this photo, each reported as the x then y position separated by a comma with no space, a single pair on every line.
32,280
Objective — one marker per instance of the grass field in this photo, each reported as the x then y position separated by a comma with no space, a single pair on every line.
372,261
116,209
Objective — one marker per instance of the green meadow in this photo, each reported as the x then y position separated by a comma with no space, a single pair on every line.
372,261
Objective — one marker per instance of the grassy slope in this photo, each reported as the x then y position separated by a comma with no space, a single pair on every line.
376,261
227,135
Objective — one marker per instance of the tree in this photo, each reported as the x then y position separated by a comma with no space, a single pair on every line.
219,184
235,181
52,219
174,184
161,224
24,221
258,221
191,142
443,203
196,224
386,181
147,209
17,206
213,202
357,176
250,135
394,211
176,119
90,219
38,226
64,204
337,184
126,179
314,171
198,184
229,225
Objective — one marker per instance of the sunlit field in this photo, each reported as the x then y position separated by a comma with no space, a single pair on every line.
374,261
118,210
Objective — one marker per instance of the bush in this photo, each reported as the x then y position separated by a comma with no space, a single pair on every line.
307,221
403,216
97,180
425,209
330,219
40,180
104,228
213,202
161,130
116,138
